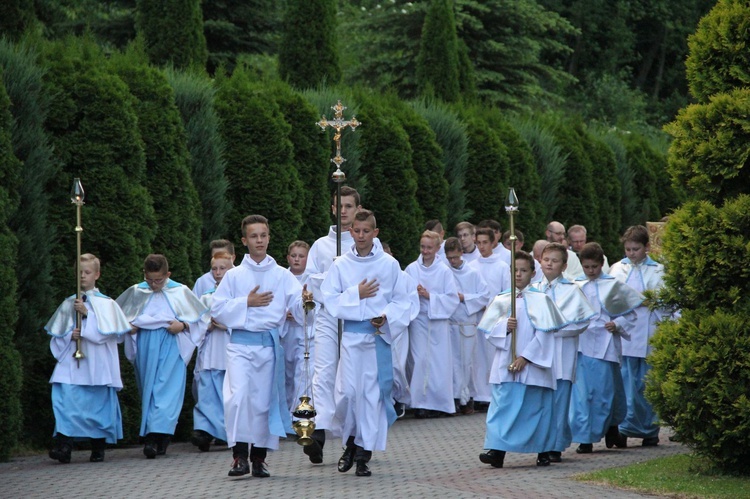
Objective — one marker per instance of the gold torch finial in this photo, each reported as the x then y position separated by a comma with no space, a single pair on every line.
76,197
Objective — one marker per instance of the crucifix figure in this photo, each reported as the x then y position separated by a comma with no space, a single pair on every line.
338,123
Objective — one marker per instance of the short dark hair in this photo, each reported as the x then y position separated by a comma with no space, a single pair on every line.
519,235
453,244
223,244
486,231
592,251
492,224
347,191
557,247
364,215
636,234
434,225
522,255
253,219
156,263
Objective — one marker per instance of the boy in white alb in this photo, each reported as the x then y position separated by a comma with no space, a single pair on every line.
473,296
252,300
319,260
429,334
84,392
521,414
365,288
164,314
577,311
206,282
210,367
597,403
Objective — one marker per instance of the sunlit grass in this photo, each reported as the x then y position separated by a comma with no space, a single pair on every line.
683,475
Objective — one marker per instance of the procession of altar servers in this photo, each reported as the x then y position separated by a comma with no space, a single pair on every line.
440,361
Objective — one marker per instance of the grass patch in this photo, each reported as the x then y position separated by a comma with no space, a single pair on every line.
683,475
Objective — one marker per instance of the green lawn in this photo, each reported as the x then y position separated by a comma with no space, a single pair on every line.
683,475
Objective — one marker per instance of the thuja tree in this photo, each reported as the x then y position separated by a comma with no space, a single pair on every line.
259,155
450,134
523,175
427,161
173,32
438,60
699,382
308,51
194,96
10,361
175,200
608,193
31,145
386,159
94,130
311,159
487,171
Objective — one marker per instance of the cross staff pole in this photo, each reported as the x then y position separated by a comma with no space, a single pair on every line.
338,123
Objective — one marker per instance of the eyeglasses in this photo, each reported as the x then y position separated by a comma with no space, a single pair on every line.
156,281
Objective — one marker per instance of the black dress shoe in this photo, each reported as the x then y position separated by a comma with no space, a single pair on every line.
362,469
314,451
611,437
259,469
161,445
420,414
97,456
555,457
202,440
493,457
149,450
542,459
585,449
347,459
650,442
239,467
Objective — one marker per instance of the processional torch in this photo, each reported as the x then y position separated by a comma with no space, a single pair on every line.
305,412
76,197
511,209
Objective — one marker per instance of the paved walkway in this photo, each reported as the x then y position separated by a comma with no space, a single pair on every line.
425,458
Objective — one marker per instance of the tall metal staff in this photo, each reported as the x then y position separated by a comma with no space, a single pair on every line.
76,197
511,209
338,124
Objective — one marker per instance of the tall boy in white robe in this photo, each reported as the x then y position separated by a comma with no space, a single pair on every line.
206,282
84,392
473,296
641,273
252,300
496,273
597,403
429,334
210,367
521,414
164,314
365,288
326,335
465,232
577,311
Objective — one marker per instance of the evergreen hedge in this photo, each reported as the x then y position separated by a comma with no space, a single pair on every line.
386,158
438,59
259,155
173,32
10,362
308,52
29,107
168,180
711,146
194,96
719,60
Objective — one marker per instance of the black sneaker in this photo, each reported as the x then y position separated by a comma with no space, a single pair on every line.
400,408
